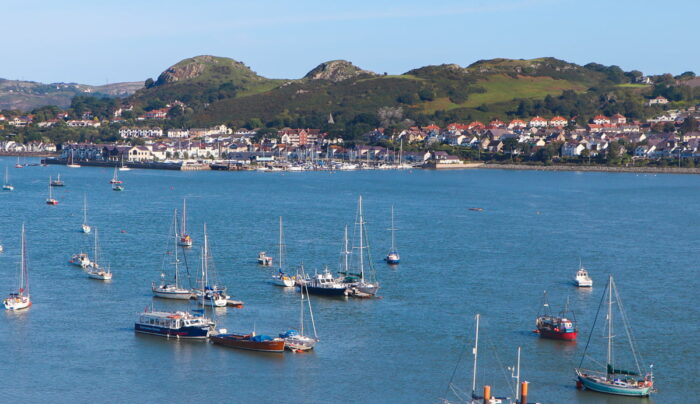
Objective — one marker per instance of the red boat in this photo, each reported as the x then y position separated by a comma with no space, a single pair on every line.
250,342
555,327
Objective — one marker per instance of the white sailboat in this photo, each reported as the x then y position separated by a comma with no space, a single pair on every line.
50,200
115,177
171,290
85,227
392,257
94,270
214,296
297,341
6,186
71,161
185,239
123,167
362,283
21,299
281,278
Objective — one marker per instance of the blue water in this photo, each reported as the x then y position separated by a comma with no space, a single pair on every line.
76,344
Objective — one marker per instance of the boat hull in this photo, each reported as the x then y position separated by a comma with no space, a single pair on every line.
244,342
284,281
563,336
175,295
17,303
601,387
313,290
181,333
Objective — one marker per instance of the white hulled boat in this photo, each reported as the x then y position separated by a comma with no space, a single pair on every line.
6,186
94,270
21,299
297,341
71,161
173,290
85,227
281,278
392,257
362,283
209,295
80,260
115,177
582,280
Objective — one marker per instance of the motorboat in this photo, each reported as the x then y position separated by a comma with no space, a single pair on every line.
178,324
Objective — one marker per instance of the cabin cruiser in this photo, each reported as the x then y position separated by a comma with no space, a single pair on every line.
177,324
582,280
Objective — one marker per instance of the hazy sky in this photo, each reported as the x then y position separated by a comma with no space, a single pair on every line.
92,42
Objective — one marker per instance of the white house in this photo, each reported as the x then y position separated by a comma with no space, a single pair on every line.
658,101
558,122
128,133
570,149
538,122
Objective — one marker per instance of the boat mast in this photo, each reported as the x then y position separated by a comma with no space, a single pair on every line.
475,351
184,218
281,247
610,325
346,252
301,312
84,209
177,261
311,313
205,275
393,241
23,278
50,179
361,223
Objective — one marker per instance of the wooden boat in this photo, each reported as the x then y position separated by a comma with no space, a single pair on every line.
185,238
555,327
250,342
174,290
50,200
20,300
392,257
614,380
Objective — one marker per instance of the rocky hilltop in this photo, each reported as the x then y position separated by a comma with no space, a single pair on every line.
336,71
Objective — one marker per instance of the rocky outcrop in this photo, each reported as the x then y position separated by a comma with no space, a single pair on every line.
335,71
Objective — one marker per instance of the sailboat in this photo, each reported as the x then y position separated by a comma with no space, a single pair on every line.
392,258
215,295
115,178
117,187
281,278
6,186
295,340
85,227
94,270
362,283
123,167
50,200
614,380
185,239
71,161
172,290
57,182
21,299
486,397
18,165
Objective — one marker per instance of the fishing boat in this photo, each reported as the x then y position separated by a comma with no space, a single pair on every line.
6,186
361,283
297,341
392,258
209,295
117,187
615,380
521,394
555,327
582,279
323,284
94,270
80,260
50,200
178,324
250,342
185,238
71,161
85,227
264,259
281,278
20,300
174,290
115,177
57,182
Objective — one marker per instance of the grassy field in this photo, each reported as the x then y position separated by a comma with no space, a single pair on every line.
631,85
501,88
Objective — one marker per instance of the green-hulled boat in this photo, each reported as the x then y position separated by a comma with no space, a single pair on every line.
613,380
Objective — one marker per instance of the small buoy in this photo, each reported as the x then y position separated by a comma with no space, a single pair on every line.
123,231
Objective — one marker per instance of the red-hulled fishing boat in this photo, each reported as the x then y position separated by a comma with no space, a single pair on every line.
555,327
250,342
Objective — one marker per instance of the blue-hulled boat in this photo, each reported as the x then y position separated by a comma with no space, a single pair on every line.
179,324
323,284
613,380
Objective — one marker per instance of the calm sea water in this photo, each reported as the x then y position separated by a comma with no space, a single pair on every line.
76,344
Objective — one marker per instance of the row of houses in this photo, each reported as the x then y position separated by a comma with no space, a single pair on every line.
10,146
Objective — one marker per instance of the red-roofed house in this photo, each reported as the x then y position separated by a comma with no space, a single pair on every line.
601,120
618,119
456,126
475,125
538,122
430,128
558,122
495,124
517,124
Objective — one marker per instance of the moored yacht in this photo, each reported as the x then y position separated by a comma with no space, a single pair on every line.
57,182
177,324
185,238
6,186
323,284
94,270
80,260
392,258
173,290
250,342
281,278
212,295
50,200
20,300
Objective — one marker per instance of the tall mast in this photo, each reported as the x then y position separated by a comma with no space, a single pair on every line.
177,261
301,312
610,324
361,223
205,252
281,246
184,217
95,259
311,312
346,252
50,187
393,247
84,209
23,265
475,351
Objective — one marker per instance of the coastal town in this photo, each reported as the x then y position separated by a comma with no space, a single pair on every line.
672,135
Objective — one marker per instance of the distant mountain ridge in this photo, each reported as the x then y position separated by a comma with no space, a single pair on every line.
27,95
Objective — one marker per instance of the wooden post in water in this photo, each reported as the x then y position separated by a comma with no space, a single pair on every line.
487,394
523,392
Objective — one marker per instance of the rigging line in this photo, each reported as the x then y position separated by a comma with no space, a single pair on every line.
593,326
628,332
509,380
454,372
187,267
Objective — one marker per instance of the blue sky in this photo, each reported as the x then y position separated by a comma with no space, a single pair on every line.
98,41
